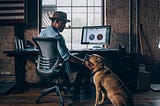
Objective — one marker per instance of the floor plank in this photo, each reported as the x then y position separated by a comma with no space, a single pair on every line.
28,97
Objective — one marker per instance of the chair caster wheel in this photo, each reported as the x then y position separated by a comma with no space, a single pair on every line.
61,104
37,101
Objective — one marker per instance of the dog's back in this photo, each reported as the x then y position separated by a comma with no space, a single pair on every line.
117,92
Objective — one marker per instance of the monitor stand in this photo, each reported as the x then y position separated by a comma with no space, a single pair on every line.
98,48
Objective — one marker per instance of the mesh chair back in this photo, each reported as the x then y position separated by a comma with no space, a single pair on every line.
49,57
47,46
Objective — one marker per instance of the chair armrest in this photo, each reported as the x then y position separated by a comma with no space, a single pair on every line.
75,54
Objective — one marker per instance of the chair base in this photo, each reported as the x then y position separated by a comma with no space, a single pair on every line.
49,90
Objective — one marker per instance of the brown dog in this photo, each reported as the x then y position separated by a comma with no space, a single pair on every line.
107,83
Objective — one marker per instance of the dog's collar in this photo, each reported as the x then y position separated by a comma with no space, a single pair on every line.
92,74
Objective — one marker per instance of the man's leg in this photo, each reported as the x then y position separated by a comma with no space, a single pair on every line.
82,80
66,81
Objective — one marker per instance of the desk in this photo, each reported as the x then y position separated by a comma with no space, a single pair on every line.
21,57
121,63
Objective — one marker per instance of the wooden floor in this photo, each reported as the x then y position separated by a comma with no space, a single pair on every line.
28,97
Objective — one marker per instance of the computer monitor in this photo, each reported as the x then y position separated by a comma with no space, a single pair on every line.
96,35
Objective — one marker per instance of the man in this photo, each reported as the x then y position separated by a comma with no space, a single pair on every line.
59,19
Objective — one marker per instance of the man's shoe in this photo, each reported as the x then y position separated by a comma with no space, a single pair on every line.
75,91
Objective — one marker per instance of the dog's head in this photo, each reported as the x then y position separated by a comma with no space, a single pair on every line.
94,62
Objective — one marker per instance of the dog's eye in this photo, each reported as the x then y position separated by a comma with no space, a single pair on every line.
98,61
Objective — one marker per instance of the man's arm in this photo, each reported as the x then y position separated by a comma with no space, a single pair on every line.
76,59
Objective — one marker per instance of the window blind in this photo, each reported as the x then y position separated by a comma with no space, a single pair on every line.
12,11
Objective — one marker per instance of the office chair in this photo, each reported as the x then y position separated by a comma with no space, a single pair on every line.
49,65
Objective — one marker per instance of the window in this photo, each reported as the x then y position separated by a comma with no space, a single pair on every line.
80,12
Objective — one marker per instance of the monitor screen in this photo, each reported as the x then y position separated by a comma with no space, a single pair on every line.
96,35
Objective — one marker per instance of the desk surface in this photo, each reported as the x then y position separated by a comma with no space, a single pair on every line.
36,51
23,51
94,49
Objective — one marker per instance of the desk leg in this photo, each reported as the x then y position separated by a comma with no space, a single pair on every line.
20,63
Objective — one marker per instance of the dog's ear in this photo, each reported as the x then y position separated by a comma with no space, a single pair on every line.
101,61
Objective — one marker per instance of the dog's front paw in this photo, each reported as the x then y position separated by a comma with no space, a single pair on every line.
95,105
101,103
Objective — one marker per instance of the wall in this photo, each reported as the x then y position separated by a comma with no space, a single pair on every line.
117,15
7,67
6,42
150,20
26,31
31,75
